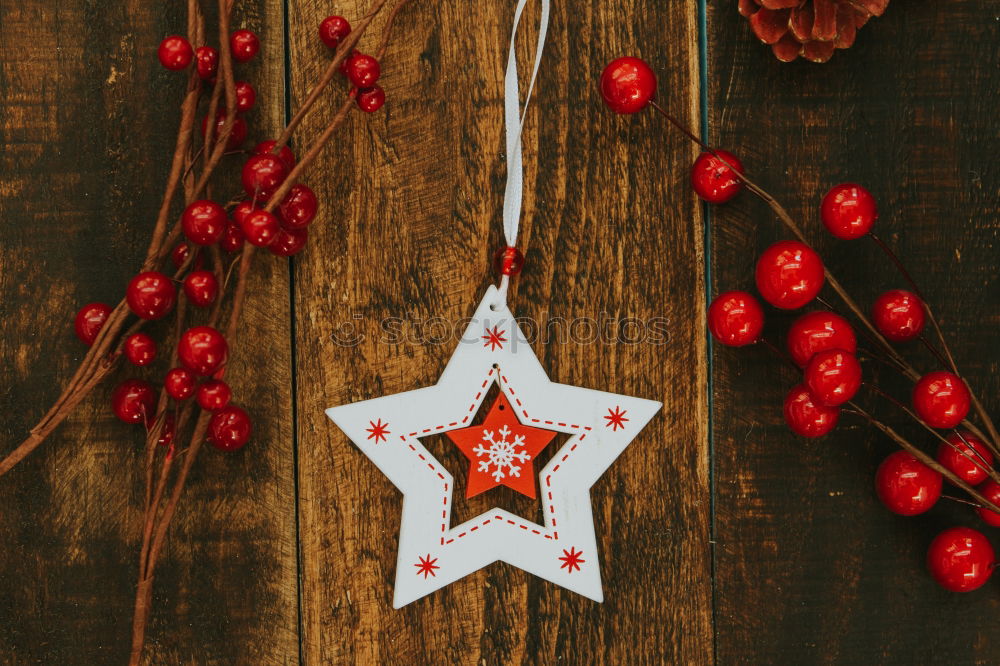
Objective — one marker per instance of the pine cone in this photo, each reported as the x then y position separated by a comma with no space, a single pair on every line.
812,29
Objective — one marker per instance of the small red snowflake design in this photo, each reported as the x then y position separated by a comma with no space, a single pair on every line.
616,418
378,431
425,566
571,559
494,339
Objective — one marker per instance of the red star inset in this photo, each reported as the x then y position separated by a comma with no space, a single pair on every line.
494,339
571,559
425,566
616,418
378,431
500,451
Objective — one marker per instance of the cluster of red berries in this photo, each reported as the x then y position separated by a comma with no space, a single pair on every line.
789,275
361,69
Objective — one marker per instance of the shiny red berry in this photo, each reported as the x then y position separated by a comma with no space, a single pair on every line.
288,242
371,99
246,96
899,315
207,62
213,395
713,180
298,208
991,491
941,399
833,376
203,222
285,154
151,295
133,401
179,383
343,63
202,349
232,237
907,486
89,321
735,318
805,416
175,53
229,429
201,288
961,559
508,261
789,274
243,209
244,45
262,175
816,332
333,29
968,459
362,70
627,85
180,254
260,228
140,349
236,136
848,211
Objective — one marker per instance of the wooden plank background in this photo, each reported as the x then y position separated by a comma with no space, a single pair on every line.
285,553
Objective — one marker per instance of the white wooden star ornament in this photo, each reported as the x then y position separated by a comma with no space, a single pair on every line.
432,551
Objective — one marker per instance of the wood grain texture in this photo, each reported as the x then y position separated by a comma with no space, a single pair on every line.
412,207
810,568
87,121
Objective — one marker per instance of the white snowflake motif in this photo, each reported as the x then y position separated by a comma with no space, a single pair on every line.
501,454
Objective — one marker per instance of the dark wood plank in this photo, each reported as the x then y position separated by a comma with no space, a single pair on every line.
809,566
87,122
412,204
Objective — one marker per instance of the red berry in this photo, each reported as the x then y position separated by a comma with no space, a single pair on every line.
735,318
298,208
961,559
343,63
285,154
201,288
899,315
627,85
991,491
833,376
789,274
848,211
89,321
508,261
213,395
140,349
362,70
333,29
202,350
151,295
207,62
229,429
807,417
712,180
180,254
179,383
244,45
818,331
243,209
133,401
204,222
288,242
968,459
260,228
262,175
246,96
941,399
175,53
232,237
907,486
371,99
236,136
